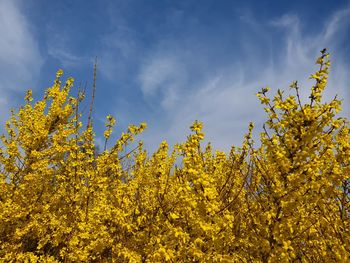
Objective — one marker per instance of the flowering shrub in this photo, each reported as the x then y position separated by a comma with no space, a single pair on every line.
284,201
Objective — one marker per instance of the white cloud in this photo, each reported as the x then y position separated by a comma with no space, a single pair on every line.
118,51
58,46
302,51
338,21
19,52
20,59
67,58
225,99
163,74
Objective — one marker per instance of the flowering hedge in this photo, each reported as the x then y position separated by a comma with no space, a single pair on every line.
284,201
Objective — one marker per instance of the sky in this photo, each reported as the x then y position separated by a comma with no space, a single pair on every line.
168,63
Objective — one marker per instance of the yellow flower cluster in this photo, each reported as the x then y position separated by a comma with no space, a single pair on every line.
284,201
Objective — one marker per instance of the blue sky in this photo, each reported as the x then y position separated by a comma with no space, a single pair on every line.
169,63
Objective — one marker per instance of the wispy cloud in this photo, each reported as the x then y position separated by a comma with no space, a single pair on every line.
339,21
164,76
19,52
302,49
20,59
58,46
224,99
119,49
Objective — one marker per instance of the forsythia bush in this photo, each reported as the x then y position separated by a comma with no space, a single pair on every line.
286,200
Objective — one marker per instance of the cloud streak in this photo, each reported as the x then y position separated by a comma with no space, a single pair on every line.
20,58
19,52
224,99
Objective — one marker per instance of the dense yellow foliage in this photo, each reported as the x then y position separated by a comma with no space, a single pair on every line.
284,201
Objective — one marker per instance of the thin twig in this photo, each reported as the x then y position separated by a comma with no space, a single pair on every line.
89,124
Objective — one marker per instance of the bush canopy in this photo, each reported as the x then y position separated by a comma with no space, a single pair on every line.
286,200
